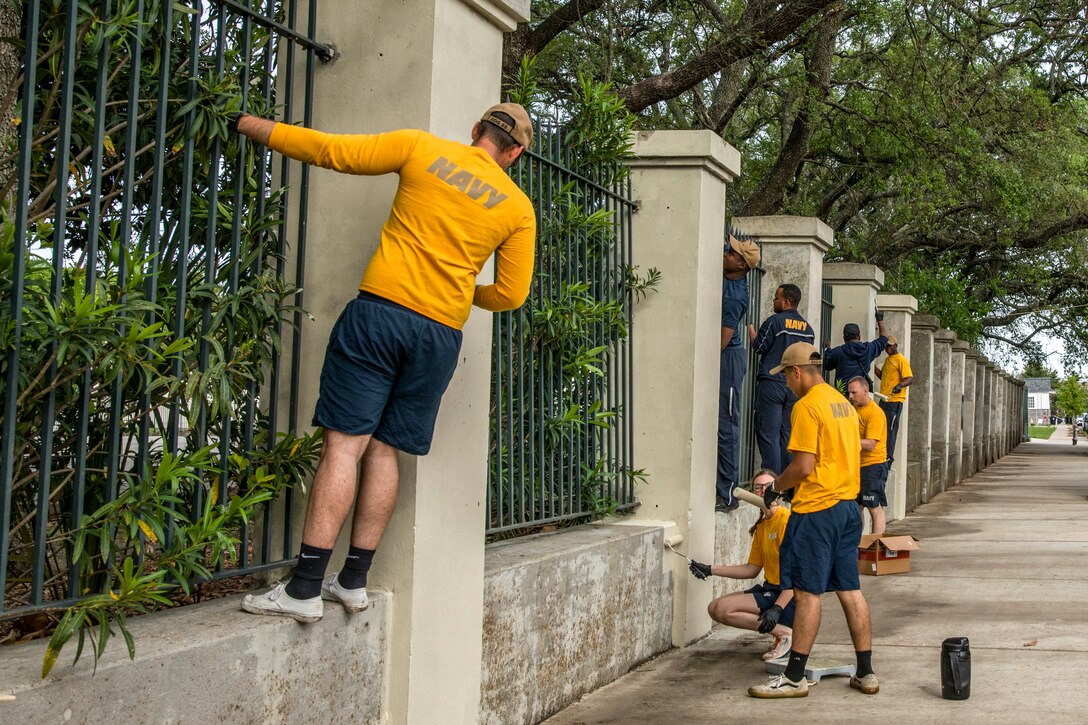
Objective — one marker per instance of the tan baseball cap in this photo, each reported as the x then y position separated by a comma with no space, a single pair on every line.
892,340
522,130
799,353
748,250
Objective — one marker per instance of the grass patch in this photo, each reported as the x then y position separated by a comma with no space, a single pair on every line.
1041,431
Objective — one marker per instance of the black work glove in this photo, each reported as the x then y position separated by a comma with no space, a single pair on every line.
879,316
768,620
897,389
232,124
770,495
699,571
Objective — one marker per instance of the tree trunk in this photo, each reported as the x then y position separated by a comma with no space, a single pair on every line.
765,199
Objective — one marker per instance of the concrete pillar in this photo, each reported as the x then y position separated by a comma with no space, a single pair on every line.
988,430
970,371
942,402
919,441
793,252
899,310
995,415
679,178
855,288
1005,417
956,414
1021,414
979,438
406,69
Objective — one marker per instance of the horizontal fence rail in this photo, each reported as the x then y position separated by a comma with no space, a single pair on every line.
561,439
144,293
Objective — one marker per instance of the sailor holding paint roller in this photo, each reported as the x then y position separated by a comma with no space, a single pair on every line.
765,608
819,552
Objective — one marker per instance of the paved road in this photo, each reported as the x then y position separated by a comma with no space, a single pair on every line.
1003,561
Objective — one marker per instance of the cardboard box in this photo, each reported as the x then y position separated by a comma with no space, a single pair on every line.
884,554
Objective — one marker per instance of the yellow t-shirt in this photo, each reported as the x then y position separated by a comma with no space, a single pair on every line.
765,544
873,424
895,368
826,425
454,208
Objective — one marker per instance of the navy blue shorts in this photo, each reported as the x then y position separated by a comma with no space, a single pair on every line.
766,595
874,481
820,551
386,368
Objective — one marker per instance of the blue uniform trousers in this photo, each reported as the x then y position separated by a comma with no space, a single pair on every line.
774,404
734,364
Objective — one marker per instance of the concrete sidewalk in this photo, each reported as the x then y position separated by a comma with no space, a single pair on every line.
1003,561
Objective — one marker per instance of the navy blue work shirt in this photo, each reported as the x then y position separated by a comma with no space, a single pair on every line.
853,359
734,305
778,332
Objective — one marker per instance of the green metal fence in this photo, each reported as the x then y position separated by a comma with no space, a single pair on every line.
561,439
143,284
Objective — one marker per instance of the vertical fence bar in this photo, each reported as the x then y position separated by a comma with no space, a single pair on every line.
126,234
153,231
94,219
248,408
60,226
281,269
827,309
11,387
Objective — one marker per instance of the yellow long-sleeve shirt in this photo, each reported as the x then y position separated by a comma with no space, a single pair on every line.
453,209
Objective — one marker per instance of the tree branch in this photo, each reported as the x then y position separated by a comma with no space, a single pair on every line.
764,199
531,40
746,38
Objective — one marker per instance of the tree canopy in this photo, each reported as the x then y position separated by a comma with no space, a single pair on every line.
945,142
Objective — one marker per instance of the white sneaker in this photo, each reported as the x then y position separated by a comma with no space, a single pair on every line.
780,686
779,649
278,603
354,600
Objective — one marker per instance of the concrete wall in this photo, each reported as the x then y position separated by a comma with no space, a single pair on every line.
213,663
567,612
732,543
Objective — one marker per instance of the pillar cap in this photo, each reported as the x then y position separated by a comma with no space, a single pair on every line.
785,229
960,346
897,303
973,354
503,14
851,273
685,149
944,336
925,322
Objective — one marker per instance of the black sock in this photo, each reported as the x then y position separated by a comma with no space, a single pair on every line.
795,670
356,566
865,663
309,571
